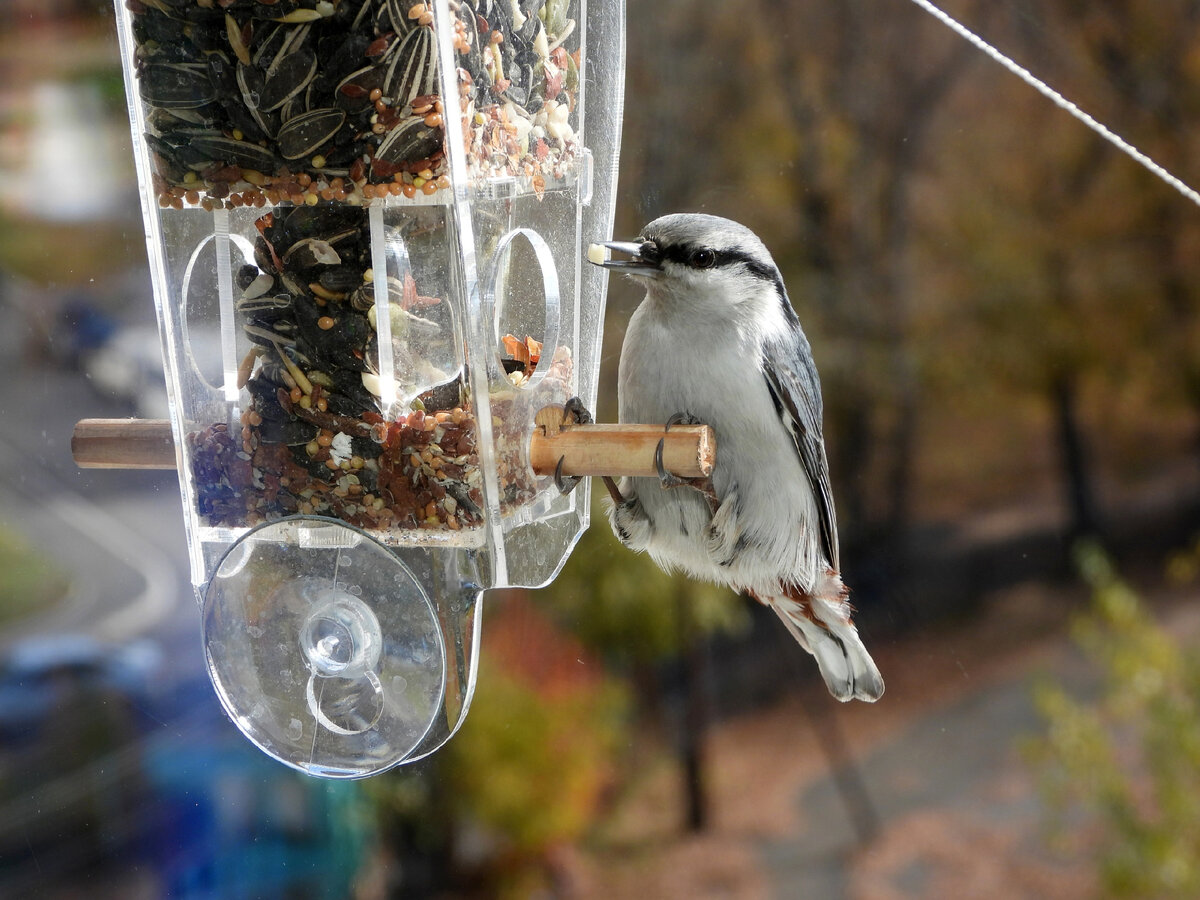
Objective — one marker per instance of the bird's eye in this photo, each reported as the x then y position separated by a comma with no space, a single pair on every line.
703,259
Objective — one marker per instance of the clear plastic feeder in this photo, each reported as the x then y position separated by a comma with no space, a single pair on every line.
366,222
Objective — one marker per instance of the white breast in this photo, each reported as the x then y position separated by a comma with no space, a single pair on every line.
718,379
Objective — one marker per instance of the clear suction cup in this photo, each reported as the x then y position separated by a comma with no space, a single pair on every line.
324,648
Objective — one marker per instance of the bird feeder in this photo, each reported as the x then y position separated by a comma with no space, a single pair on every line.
366,222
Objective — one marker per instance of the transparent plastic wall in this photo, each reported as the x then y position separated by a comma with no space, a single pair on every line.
366,223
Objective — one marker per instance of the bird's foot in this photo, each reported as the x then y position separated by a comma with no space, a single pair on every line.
681,419
630,523
669,479
574,413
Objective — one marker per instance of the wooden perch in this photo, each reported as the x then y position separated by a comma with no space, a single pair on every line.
123,444
619,450
615,450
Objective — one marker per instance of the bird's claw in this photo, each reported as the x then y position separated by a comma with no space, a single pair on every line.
665,478
613,491
669,479
574,413
681,419
565,483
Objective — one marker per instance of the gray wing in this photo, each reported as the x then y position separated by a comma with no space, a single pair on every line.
796,391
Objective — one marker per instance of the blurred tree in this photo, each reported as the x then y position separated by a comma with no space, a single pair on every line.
1142,57
532,763
1130,759
1080,286
631,613
811,138
525,777
851,193
1133,58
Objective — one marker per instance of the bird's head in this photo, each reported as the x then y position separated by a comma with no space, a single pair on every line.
703,263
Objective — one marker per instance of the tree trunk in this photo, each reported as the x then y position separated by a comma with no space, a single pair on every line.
1073,457
695,720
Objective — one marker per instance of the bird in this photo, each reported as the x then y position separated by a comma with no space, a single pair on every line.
716,341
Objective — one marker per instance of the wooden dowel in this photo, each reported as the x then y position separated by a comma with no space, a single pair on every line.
617,450
123,444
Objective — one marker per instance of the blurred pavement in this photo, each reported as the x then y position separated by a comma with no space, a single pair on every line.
118,535
954,806
958,812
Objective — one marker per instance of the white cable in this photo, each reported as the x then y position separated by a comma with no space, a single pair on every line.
1059,100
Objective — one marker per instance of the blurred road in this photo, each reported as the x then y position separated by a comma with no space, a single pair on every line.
74,803
947,804
958,813
121,778
117,535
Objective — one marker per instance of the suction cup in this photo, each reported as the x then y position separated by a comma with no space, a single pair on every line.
324,648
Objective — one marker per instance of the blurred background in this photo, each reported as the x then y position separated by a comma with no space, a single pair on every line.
1006,315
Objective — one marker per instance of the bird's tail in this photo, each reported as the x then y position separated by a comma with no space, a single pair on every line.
820,622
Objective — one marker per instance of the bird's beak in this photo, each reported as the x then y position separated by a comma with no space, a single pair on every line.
640,264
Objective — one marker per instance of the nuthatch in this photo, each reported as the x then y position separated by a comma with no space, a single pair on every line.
716,341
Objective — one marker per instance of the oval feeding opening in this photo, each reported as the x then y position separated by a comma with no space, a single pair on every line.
202,314
525,290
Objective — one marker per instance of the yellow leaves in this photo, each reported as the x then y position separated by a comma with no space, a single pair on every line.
1129,757
531,765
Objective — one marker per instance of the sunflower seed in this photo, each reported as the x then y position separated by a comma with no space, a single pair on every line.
303,135
410,141
413,70
219,148
288,78
397,14
177,86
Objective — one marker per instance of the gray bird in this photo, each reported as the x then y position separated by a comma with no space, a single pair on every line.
716,341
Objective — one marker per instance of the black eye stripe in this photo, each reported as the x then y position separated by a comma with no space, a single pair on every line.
682,254
652,251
